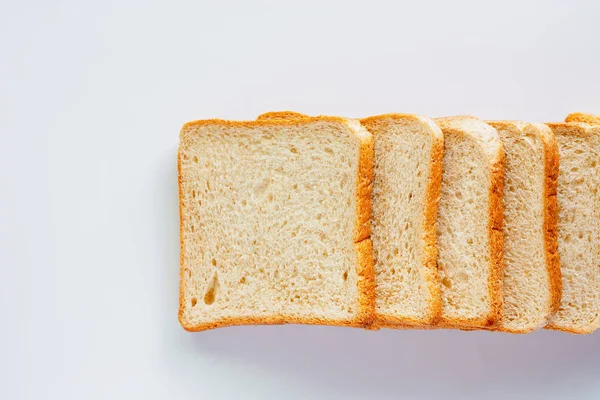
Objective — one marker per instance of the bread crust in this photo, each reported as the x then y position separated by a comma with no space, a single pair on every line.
432,198
257,123
583,118
495,151
281,115
551,169
574,127
551,163
362,241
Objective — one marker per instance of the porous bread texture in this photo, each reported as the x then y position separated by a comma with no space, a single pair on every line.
583,118
532,282
469,225
281,115
275,223
578,227
406,189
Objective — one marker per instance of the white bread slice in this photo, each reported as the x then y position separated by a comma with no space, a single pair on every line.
469,224
275,223
532,282
406,191
578,227
583,118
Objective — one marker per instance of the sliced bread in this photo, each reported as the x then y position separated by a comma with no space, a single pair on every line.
532,283
584,118
406,190
578,227
275,223
469,225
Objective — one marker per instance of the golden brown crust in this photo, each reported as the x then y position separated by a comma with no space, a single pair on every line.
569,329
430,225
281,115
495,234
258,123
362,241
366,283
362,236
569,128
584,118
552,162
432,197
364,186
270,320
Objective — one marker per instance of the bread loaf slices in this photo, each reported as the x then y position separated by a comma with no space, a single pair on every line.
406,190
275,223
469,225
532,282
584,118
578,227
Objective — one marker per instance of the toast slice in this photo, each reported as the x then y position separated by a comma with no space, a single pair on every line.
583,118
275,223
578,227
406,191
469,225
532,282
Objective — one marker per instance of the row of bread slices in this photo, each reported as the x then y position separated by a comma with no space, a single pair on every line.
474,225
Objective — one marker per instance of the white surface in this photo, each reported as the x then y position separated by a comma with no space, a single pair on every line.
92,97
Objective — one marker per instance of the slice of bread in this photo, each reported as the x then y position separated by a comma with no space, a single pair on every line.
275,223
578,227
406,190
532,282
584,118
469,225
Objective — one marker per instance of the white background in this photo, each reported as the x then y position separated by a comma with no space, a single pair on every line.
92,97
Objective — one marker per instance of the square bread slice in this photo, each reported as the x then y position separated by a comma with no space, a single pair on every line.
532,282
406,192
578,227
275,223
469,225
584,118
